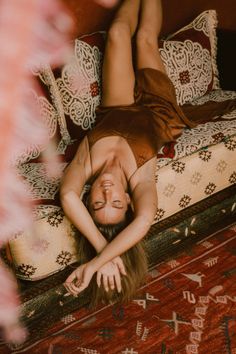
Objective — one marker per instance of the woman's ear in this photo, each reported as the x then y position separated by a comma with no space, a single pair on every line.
128,198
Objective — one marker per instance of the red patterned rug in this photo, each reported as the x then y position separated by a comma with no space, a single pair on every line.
188,306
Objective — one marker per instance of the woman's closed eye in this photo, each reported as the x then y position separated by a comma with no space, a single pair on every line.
117,204
98,205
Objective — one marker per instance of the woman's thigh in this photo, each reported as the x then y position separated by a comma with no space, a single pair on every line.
148,55
118,77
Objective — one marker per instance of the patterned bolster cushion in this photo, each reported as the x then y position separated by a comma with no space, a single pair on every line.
68,110
48,247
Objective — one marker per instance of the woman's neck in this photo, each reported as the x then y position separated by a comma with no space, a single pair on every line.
114,167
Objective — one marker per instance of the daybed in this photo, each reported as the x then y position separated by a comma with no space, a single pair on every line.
196,176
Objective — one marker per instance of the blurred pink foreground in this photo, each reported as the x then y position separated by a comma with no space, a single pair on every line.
32,33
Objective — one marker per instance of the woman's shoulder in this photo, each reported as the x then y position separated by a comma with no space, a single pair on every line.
82,150
144,174
82,157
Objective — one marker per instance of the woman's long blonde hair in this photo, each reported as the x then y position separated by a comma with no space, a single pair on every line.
135,262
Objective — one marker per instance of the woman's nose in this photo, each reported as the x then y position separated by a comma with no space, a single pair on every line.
106,193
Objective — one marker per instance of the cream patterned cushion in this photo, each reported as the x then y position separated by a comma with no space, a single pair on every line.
47,248
189,56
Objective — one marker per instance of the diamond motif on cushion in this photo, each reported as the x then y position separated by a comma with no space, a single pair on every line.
169,190
64,258
205,155
159,214
26,269
56,218
221,166
184,77
210,188
184,201
230,144
196,178
94,89
218,137
178,166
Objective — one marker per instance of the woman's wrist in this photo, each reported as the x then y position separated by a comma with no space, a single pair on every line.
93,264
99,248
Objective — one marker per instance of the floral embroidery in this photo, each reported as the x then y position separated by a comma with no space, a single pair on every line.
205,155
39,185
178,166
64,258
56,218
210,188
159,214
218,137
196,178
79,85
184,201
26,269
216,96
94,89
221,166
194,80
169,190
230,144
184,77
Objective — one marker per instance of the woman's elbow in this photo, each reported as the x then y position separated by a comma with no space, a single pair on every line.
145,222
65,197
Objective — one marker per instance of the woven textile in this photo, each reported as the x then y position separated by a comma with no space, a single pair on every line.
187,306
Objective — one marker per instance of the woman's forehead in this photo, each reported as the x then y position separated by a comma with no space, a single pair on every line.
109,215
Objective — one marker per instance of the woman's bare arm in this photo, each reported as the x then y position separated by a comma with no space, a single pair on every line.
74,178
145,204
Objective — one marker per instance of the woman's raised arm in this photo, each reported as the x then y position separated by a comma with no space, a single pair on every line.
145,205
74,178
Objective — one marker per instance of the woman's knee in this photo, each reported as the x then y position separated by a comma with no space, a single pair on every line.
146,38
119,31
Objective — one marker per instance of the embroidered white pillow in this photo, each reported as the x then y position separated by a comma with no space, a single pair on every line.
189,56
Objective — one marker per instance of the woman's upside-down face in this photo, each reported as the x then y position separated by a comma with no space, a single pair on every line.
108,200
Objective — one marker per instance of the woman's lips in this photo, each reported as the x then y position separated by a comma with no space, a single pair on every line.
106,184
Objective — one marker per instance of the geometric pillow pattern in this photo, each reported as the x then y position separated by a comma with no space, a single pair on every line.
193,178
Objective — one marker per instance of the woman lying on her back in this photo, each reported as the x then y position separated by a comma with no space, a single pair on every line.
118,158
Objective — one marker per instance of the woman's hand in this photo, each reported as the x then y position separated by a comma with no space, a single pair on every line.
109,274
79,279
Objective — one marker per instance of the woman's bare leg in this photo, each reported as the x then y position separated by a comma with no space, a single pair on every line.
148,55
118,73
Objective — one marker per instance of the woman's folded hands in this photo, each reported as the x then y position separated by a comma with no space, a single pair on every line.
108,276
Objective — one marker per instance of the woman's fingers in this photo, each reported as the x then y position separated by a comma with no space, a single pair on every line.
111,282
70,289
121,266
118,282
99,277
71,277
105,283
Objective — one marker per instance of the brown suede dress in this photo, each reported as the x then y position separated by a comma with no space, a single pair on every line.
148,123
